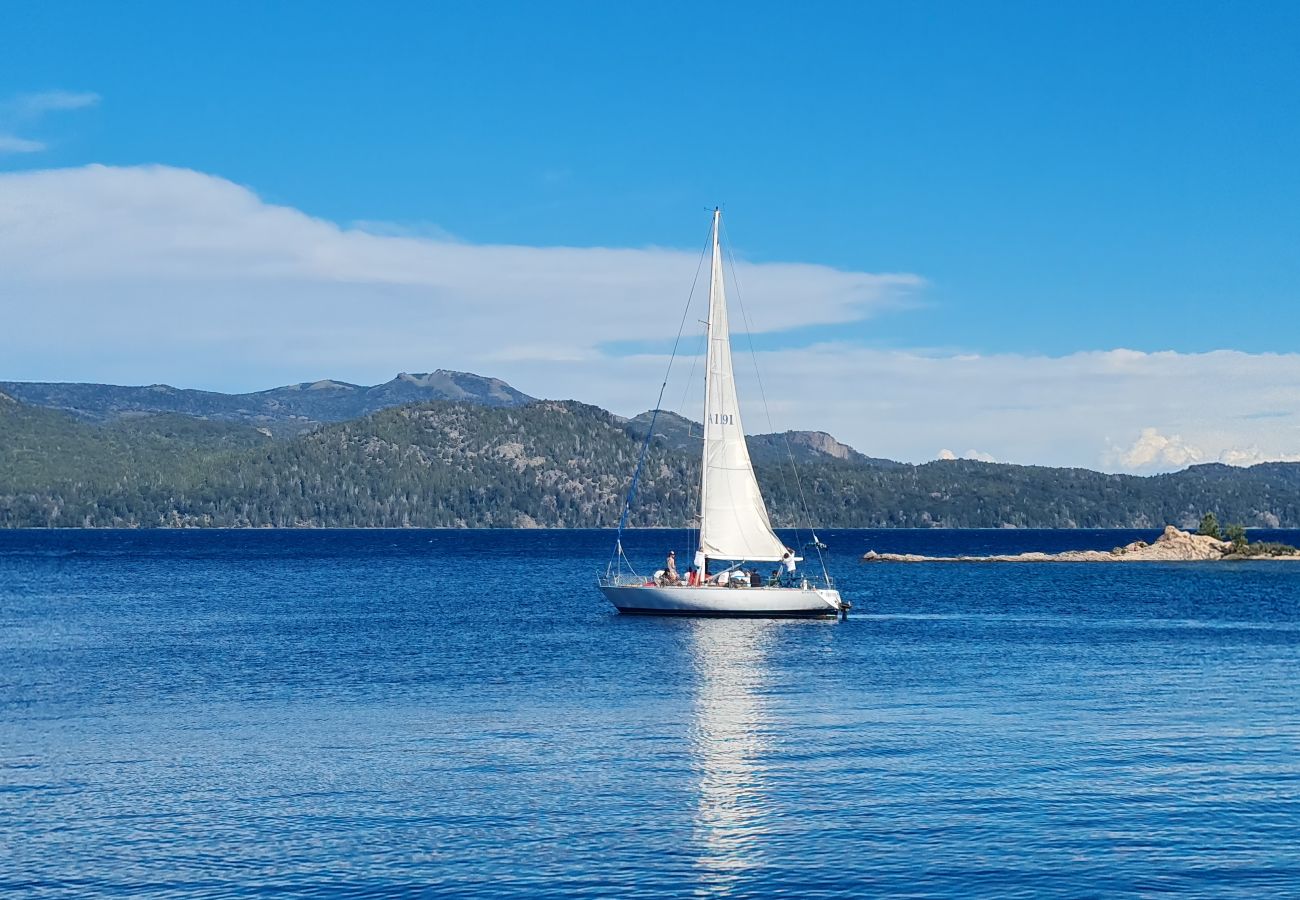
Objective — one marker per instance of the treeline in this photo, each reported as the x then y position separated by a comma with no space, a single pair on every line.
547,464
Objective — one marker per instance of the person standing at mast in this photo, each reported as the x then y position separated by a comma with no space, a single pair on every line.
788,561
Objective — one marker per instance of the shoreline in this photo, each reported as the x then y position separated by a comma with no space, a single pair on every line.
889,528
1173,545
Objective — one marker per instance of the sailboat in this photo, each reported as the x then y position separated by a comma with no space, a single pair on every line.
734,529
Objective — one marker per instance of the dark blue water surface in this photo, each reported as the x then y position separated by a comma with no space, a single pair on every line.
416,713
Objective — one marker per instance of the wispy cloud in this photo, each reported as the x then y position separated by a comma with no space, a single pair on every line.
25,111
403,229
11,144
41,102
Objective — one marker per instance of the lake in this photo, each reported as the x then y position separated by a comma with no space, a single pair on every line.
460,713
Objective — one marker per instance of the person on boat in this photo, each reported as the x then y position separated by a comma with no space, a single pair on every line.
670,568
788,561
692,576
702,564
755,580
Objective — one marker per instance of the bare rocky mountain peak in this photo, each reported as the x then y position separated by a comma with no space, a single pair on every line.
823,443
678,432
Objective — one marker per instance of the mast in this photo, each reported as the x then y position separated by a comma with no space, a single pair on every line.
715,286
733,517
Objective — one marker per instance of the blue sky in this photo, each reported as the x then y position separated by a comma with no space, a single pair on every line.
1030,162
1064,179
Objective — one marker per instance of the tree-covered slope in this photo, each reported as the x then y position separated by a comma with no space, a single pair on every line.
431,465
969,494
553,464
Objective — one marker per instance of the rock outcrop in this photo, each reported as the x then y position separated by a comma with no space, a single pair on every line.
1173,545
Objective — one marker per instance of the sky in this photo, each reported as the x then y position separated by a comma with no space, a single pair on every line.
1036,233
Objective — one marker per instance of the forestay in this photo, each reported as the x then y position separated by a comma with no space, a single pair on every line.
733,518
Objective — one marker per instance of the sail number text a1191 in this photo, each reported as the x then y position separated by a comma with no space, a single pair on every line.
722,419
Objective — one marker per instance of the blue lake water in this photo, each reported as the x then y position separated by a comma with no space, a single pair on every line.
415,713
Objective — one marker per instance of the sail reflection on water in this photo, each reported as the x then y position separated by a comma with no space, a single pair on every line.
730,737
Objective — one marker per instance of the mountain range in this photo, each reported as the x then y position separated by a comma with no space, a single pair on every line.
452,449
292,409
298,409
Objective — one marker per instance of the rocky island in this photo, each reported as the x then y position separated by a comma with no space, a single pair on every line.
1173,545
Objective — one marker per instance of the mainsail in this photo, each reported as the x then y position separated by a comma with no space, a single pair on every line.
733,518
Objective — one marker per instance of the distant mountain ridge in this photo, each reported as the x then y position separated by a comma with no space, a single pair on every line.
290,409
547,464
680,433
295,409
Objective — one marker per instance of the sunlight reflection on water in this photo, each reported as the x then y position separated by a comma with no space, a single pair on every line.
728,742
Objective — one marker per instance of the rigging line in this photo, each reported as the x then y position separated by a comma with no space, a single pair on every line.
654,415
690,377
803,502
690,536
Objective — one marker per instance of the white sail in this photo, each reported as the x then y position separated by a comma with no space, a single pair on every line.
733,518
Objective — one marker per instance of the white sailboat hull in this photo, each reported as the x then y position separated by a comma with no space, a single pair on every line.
773,602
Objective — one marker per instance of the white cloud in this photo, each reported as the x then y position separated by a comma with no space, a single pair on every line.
1068,410
12,144
976,455
1155,451
1251,456
146,274
176,274
25,110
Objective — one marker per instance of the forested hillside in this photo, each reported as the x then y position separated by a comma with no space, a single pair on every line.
552,464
